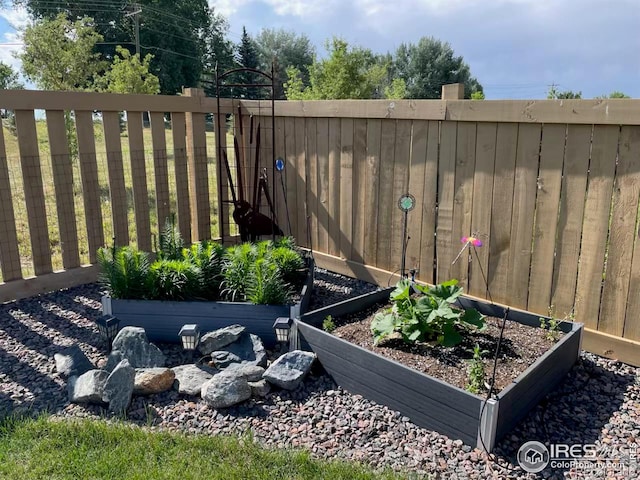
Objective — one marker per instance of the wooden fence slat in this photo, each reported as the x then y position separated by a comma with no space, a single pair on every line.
291,175
280,178
597,210
446,249
417,166
160,167
385,193
63,183
400,184
90,186
198,175
139,180
179,134
359,170
615,292
222,179
429,200
501,211
311,125
524,203
481,213
33,191
463,198
371,181
323,184
301,168
547,203
333,198
572,198
632,315
9,253
346,178
117,190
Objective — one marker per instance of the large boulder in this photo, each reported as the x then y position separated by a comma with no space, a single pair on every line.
153,380
218,339
72,362
190,378
88,387
251,373
249,349
222,358
225,390
288,370
132,343
119,387
259,389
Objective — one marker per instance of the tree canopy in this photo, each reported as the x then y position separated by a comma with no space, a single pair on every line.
128,74
555,94
9,79
59,54
428,65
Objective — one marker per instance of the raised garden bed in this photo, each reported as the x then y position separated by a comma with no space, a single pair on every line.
162,320
430,402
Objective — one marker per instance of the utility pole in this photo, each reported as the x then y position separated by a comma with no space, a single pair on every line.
137,10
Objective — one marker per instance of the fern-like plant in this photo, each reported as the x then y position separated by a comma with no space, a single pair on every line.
266,286
171,242
208,257
289,262
125,272
238,262
175,279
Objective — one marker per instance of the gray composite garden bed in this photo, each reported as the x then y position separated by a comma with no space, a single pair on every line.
428,401
162,320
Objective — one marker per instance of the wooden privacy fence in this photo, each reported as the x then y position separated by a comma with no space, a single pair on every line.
551,187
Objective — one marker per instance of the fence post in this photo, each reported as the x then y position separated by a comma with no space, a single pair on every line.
453,91
198,177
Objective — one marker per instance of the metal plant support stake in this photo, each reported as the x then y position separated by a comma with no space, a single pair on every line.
406,203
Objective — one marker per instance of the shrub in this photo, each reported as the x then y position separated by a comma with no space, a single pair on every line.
208,257
171,242
237,267
430,315
289,262
266,285
125,272
175,279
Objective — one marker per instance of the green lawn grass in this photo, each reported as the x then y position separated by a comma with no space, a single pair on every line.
85,449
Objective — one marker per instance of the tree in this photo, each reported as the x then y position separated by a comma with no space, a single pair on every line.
428,65
477,96
286,49
555,94
346,73
9,78
59,54
175,32
219,49
247,57
614,94
128,74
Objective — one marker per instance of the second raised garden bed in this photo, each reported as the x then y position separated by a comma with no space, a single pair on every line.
429,402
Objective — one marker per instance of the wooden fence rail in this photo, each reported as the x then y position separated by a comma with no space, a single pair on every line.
551,187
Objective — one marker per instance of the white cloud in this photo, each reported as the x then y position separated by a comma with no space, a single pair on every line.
17,19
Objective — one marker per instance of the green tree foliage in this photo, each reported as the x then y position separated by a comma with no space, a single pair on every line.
288,50
219,51
345,73
555,94
428,65
130,75
59,54
614,94
174,32
9,79
477,96
247,57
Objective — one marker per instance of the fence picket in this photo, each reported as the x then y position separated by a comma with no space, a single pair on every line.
9,253
117,190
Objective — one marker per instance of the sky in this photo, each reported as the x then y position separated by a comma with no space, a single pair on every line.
517,49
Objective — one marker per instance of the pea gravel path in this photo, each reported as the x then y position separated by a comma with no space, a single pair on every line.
599,402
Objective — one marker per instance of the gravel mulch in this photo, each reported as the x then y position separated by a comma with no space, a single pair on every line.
598,402
521,346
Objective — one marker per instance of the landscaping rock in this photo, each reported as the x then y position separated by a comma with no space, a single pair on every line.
115,357
251,373
218,339
190,378
288,370
133,344
119,387
259,389
88,387
249,349
72,362
153,380
225,390
222,359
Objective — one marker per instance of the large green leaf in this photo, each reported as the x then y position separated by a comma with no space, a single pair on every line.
450,336
382,325
474,317
448,291
402,291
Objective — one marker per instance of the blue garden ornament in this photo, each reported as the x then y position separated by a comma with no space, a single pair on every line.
279,164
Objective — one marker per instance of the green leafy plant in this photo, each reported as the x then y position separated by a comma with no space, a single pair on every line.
551,325
237,268
429,315
171,242
208,257
266,286
328,325
175,279
476,371
125,271
289,262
